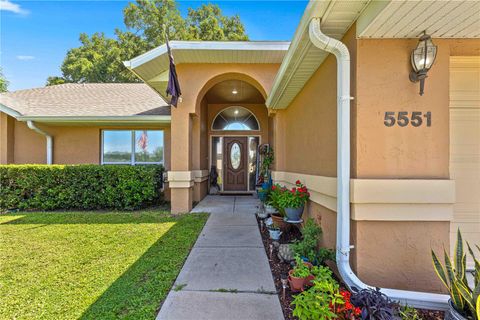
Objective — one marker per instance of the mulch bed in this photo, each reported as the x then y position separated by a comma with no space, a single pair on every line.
280,270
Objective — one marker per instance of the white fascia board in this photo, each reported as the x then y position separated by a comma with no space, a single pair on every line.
95,119
9,111
314,9
208,45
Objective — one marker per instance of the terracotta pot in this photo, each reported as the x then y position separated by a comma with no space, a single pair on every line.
296,284
309,280
278,221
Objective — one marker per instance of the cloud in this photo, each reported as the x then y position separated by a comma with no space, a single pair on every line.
7,5
25,57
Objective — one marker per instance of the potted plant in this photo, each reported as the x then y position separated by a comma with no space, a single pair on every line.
298,275
274,231
266,152
464,301
293,201
278,214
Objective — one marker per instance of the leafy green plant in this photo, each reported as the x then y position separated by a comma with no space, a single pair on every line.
54,187
307,247
321,300
301,270
268,157
454,277
408,313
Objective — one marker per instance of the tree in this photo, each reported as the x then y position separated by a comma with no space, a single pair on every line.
3,82
100,59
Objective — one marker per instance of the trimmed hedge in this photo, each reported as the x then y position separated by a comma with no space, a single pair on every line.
54,187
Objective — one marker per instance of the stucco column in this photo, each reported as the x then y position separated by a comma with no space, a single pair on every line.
180,177
7,124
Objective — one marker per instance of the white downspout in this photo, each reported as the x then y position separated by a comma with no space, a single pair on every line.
49,138
340,50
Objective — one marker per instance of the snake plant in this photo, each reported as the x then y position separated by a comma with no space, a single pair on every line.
454,276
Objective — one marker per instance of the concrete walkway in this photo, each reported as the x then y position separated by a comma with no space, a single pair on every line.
226,275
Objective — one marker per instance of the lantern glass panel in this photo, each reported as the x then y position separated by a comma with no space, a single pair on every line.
424,55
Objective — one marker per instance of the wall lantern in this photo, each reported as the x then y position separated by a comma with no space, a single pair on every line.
422,59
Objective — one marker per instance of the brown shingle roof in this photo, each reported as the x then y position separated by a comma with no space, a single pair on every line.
90,99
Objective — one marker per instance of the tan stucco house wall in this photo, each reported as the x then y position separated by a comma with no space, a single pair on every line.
402,193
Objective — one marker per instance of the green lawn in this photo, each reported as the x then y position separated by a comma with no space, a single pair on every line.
91,265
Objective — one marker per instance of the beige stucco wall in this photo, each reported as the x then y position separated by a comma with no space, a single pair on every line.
7,133
393,253
382,85
71,144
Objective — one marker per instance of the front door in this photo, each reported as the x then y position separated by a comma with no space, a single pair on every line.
235,160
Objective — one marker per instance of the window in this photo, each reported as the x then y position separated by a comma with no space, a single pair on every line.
235,119
132,147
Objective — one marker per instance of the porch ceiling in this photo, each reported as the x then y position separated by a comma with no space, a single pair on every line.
222,93
408,19
152,66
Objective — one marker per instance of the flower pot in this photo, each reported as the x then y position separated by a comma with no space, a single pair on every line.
309,280
294,214
296,284
278,220
275,234
452,313
266,185
270,209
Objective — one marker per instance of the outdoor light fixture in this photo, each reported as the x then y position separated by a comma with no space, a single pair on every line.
422,59
234,91
236,111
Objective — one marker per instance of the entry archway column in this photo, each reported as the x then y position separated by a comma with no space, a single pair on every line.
180,177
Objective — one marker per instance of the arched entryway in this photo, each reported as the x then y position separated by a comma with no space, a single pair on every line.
237,123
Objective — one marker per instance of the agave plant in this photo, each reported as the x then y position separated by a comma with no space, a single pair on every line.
454,276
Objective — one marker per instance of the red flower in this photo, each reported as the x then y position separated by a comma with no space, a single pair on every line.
274,187
297,182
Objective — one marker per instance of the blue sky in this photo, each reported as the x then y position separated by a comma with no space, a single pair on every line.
35,35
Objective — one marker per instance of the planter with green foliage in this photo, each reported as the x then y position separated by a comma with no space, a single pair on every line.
86,187
464,301
298,275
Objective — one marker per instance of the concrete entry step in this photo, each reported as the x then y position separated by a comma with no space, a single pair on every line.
239,269
188,305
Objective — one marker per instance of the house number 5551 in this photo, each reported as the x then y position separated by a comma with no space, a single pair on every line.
403,118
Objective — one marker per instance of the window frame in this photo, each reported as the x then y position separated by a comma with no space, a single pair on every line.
219,114
132,161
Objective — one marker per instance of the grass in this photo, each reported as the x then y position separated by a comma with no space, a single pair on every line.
91,265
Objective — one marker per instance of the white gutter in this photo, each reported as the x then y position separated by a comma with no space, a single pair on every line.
340,50
32,126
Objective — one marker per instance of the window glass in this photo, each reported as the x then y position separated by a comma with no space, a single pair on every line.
235,118
148,146
117,146
235,156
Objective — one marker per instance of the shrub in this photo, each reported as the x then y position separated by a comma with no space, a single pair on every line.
54,187
307,247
